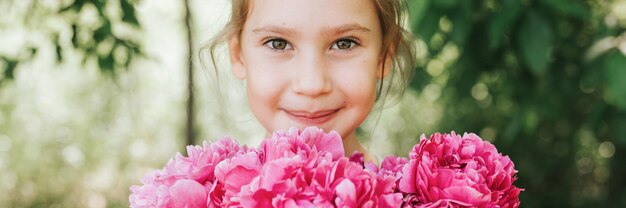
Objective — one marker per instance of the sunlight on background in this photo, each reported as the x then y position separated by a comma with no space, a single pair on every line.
71,137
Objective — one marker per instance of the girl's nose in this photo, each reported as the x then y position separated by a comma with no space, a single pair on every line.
311,77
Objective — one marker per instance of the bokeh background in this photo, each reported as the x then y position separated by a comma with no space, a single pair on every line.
94,94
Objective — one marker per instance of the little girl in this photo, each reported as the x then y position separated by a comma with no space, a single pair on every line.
318,63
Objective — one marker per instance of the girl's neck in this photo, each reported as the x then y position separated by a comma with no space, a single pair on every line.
351,144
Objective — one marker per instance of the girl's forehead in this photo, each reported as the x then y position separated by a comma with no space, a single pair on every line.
326,16
330,31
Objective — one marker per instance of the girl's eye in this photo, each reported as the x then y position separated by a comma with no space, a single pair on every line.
344,44
278,44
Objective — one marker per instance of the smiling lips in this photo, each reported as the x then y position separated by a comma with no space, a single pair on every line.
312,118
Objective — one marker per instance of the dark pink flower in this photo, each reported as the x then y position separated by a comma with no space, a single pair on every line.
307,169
283,182
450,170
357,157
294,182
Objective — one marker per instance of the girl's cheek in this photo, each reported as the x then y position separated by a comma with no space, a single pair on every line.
265,83
359,73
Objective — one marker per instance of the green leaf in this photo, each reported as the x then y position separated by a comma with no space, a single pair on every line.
615,69
10,65
445,4
75,6
462,22
128,13
103,31
428,26
569,8
59,53
74,36
106,63
32,52
417,9
512,128
502,21
535,38
58,49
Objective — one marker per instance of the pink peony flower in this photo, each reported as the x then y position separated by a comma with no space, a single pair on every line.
359,187
392,166
188,193
294,182
161,187
235,172
200,163
451,171
301,142
307,168
284,182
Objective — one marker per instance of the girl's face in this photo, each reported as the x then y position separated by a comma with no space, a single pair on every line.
310,62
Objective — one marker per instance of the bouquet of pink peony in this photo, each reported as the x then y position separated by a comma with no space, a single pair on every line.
307,168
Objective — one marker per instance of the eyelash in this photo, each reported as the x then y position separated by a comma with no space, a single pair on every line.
268,43
352,40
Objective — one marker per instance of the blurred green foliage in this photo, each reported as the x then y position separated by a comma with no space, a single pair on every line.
106,39
53,152
103,33
533,77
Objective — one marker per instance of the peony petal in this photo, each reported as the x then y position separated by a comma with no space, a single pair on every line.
189,194
238,171
466,195
390,200
346,194
407,182
330,142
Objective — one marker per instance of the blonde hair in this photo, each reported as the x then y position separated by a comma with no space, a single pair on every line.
398,43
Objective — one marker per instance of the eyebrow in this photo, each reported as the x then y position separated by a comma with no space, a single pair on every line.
336,30
349,28
274,29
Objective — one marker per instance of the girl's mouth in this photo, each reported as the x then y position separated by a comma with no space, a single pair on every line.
315,118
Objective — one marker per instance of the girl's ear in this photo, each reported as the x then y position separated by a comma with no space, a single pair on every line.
236,58
385,65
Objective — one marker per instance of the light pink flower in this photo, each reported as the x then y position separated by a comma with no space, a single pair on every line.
159,187
200,163
301,142
392,166
151,194
188,193
237,171
358,187
450,170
